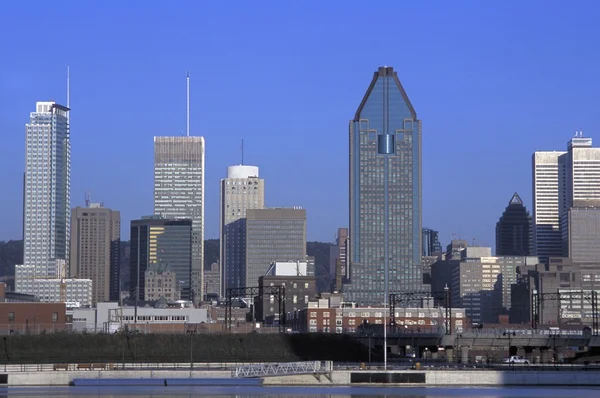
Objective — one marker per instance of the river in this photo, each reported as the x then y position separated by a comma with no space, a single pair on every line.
301,392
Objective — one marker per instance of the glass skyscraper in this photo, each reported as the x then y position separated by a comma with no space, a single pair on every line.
179,194
46,191
385,193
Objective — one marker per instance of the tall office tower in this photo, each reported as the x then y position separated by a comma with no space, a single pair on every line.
240,191
46,204
160,243
385,193
547,168
430,242
513,230
338,260
581,234
582,165
562,180
95,250
277,234
179,193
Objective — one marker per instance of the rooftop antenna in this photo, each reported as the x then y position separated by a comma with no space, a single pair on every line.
188,104
88,199
242,152
68,89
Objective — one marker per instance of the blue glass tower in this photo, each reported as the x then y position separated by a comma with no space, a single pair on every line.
385,193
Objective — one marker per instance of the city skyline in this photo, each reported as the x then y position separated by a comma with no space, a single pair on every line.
120,175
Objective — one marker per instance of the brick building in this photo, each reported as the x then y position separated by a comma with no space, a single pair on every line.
32,318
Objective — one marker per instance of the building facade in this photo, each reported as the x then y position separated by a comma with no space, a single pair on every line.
160,282
546,203
53,290
179,193
338,260
212,281
299,290
277,234
514,229
47,179
581,234
240,191
95,250
431,243
385,193
160,242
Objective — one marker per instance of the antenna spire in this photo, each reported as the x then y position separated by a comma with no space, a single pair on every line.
242,151
188,104
68,90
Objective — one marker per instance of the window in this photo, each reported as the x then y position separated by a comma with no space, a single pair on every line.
306,285
11,316
351,322
295,299
326,314
313,314
313,321
54,317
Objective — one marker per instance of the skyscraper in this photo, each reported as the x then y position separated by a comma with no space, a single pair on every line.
179,193
431,243
546,205
240,191
46,219
562,180
95,250
513,230
277,234
385,193
163,244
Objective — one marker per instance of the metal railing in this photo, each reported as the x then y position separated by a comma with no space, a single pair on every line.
277,369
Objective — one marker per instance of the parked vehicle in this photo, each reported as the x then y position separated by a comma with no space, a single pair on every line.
516,359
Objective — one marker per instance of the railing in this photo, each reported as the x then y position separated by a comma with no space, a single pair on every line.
275,369
91,365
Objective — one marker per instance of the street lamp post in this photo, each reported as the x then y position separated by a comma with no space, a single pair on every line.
191,332
510,336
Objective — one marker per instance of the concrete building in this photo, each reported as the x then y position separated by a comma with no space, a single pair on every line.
385,193
276,234
547,194
109,318
559,274
95,250
46,190
514,230
299,290
157,241
240,191
161,282
562,180
581,233
479,282
179,193
53,290
339,270
212,281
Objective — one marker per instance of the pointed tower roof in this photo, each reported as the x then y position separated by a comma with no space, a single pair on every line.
385,71
515,200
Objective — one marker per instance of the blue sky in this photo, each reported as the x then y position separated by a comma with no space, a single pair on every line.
492,81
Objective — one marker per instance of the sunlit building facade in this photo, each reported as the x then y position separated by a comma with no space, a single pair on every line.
385,193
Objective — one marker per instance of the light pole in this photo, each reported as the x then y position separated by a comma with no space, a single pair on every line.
191,332
510,336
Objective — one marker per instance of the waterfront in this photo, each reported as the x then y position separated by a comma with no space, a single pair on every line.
304,392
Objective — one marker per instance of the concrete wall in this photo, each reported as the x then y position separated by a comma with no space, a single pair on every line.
63,378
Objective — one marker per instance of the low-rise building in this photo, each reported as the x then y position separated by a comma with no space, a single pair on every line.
34,318
320,318
52,290
161,282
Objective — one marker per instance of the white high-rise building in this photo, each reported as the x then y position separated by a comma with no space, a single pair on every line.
46,218
546,207
179,193
561,181
240,191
